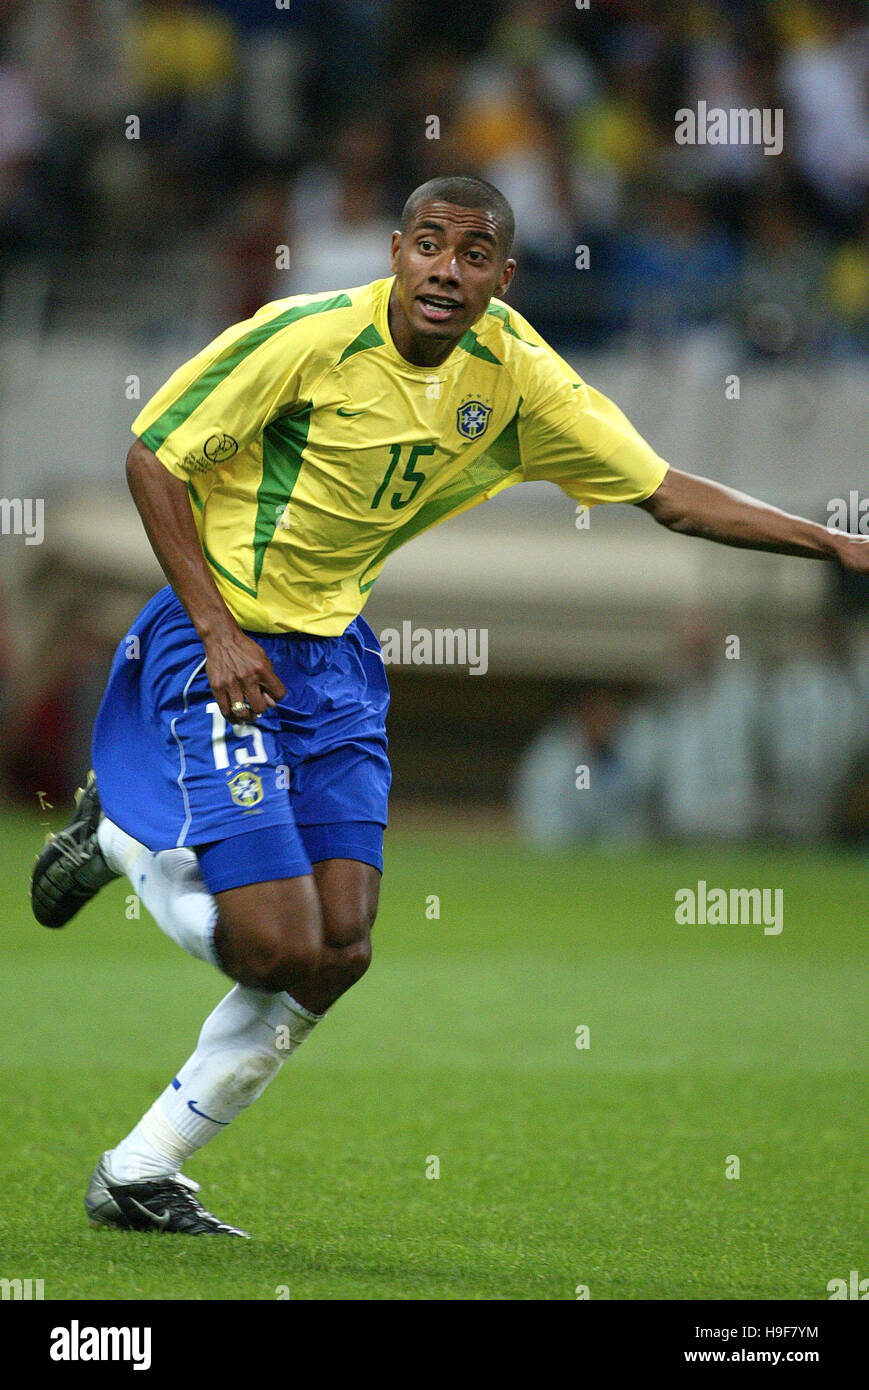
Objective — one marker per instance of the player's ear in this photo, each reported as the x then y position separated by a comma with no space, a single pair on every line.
394,249
506,276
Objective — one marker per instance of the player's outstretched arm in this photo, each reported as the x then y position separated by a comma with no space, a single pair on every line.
237,667
698,507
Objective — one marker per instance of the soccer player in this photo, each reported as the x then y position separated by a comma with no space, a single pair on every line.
240,750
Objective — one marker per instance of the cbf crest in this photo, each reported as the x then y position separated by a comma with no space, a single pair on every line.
472,419
246,789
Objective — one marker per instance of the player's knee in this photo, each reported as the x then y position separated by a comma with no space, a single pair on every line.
285,962
347,929
275,957
348,924
355,960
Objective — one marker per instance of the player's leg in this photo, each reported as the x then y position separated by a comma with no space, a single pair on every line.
349,895
295,940
309,934
169,884
295,946
275,937
171,887
245,1040
241,1047
71,868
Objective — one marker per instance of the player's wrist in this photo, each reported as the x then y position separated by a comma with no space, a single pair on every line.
215,626
834,544
813,540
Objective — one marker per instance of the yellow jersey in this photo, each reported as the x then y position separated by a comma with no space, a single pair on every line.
311,449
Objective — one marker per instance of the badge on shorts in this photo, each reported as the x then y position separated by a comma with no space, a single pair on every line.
246,789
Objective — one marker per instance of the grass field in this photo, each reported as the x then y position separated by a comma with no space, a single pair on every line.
559,1167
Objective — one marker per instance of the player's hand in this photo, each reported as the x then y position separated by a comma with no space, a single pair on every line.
852,552
240,673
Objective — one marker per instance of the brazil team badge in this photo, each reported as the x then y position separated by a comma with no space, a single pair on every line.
246,789
472,419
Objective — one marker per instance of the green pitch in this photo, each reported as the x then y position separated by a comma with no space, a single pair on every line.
560,1166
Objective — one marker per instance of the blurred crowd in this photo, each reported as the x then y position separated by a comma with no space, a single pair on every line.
250,125
270,145
736,749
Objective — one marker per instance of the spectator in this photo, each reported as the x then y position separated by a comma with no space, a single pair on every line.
782,280
22,136
813,725
74,55
846,289
275,50
512,121
695,752
574,784
250,245
339,225
677,268
184,63
823,74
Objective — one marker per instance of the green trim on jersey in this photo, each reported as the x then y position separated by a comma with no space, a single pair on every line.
368,338
469,342
160,429
283,442
500,459
215,564
285,519
499,312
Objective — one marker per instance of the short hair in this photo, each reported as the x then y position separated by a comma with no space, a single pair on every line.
466,192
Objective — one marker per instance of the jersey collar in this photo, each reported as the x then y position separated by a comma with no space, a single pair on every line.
457,358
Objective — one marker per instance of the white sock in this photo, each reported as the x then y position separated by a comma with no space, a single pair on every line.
242,1046
171,887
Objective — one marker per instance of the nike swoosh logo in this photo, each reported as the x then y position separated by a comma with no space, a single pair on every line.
342,411
162,1220
191,1105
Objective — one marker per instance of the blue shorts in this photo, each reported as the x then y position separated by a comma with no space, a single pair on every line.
311,776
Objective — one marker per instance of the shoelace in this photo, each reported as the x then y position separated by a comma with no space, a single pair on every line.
79,853
183,1199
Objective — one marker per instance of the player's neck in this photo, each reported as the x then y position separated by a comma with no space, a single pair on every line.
418,351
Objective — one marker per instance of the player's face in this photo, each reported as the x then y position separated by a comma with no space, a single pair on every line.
448,265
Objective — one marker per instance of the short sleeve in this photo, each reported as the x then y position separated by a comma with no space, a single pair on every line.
572,435
221,400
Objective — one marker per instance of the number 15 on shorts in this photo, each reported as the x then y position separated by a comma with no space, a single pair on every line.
255,754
